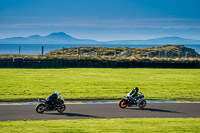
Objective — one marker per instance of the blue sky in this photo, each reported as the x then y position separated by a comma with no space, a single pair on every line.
101,19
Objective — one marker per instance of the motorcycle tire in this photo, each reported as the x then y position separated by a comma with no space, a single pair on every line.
40,108
123,103
63,107
143,104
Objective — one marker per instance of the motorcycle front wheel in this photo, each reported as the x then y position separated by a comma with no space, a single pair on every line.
40,108
61,108
143,104
123,103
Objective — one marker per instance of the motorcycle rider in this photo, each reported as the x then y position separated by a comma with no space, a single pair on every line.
133,94
52,99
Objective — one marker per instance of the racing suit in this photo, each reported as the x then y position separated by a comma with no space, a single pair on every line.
52,99
133,94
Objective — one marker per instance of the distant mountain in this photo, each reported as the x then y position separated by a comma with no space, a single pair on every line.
53,38
59,36
162,40
63,38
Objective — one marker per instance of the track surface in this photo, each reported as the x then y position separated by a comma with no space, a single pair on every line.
85,111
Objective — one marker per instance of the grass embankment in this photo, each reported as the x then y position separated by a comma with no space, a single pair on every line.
165,51
57,57
97,83
164,125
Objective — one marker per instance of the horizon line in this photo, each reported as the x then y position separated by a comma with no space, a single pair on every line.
94,39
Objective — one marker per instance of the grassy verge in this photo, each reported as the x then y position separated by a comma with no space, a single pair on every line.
75,57
99,83
165,125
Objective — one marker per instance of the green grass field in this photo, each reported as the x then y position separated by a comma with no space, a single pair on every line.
164,125
99,83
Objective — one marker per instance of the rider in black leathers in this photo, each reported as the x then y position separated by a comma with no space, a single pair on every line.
53,98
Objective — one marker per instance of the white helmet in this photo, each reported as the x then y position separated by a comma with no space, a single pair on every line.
58,93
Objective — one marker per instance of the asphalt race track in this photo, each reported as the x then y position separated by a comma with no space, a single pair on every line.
111,110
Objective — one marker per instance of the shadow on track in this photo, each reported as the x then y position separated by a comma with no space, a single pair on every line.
74,115
156,110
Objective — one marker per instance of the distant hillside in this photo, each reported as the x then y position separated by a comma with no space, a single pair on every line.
53,38
162,40
166,51
63,38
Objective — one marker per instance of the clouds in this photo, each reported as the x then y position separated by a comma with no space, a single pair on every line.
101,19
94,22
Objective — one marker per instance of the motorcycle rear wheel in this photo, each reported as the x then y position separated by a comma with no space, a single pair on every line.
143,104
62,108
123,103
40,108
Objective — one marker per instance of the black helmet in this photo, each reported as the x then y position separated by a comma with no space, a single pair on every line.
136,88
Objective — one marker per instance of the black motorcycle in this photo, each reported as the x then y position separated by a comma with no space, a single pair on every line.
129,101
44,106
